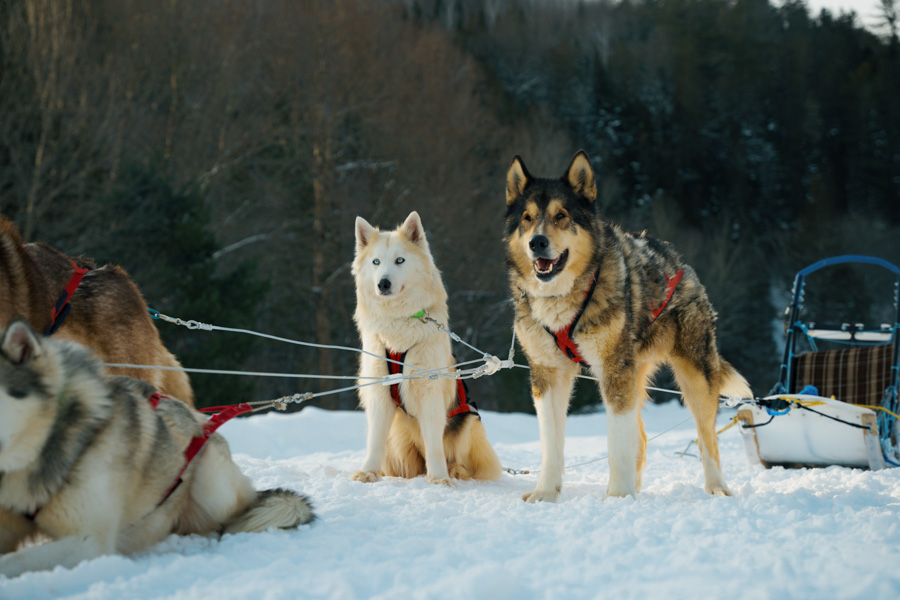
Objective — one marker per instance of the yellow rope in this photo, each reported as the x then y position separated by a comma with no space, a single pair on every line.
809,402
734,420
793,400
817,403
881,408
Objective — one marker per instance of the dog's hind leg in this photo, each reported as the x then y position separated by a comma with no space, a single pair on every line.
403,458
469,454
223,498
702,398
643,378
551,387
481,459
626,440
218,490
642,449
458,471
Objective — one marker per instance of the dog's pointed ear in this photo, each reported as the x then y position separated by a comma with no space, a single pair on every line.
516,179
412,228
580,175
364,232
20,342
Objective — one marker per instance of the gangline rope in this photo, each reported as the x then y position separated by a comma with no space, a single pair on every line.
491,364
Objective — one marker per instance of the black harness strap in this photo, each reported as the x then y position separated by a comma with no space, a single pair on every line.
61,309
563,337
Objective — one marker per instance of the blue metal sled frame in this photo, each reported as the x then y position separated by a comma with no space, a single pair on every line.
798,330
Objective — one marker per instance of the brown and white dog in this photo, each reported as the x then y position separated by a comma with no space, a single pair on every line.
586,293
106,312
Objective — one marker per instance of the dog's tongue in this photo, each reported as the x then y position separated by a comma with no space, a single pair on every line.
544,264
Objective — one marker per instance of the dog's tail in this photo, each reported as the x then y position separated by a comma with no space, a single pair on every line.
277,508
733,383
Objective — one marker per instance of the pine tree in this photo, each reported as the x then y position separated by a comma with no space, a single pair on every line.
161,236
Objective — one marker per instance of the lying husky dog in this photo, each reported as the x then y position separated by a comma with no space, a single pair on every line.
97,307
588,294
90,462
395,279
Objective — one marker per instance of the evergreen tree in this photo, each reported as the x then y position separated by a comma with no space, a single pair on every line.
161,235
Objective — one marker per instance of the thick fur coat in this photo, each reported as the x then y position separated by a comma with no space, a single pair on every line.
396,278
107,314
87,461
640,306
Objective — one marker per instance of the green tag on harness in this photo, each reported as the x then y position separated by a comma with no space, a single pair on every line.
418,315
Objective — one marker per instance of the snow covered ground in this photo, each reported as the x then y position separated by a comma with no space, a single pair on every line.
825,533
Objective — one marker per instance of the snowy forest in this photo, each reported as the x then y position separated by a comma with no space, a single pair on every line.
220,152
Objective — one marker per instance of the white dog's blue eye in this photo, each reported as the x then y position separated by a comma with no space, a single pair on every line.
376,262
400,260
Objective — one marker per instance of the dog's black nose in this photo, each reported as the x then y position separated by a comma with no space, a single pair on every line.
539,243
384,285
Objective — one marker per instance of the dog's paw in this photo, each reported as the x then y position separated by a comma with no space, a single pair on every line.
457,471
620,491
440,481
620,494
541,496
621,487
366,476
717,490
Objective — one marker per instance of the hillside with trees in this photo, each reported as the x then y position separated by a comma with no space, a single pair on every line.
220,152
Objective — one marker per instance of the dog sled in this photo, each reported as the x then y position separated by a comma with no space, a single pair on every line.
830,406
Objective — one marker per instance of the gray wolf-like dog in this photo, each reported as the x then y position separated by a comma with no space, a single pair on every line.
87,461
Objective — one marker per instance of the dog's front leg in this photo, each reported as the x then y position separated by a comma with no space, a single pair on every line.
379,414
83,521
551,388
66,552
432,418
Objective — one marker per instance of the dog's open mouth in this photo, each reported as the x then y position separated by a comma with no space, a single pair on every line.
547,268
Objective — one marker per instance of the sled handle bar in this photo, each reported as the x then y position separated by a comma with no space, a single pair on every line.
849,258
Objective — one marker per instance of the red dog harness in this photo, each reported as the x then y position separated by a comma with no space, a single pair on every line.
223,415
563,337
60,310
396,368
670,290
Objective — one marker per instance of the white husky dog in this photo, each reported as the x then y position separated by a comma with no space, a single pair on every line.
420,425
